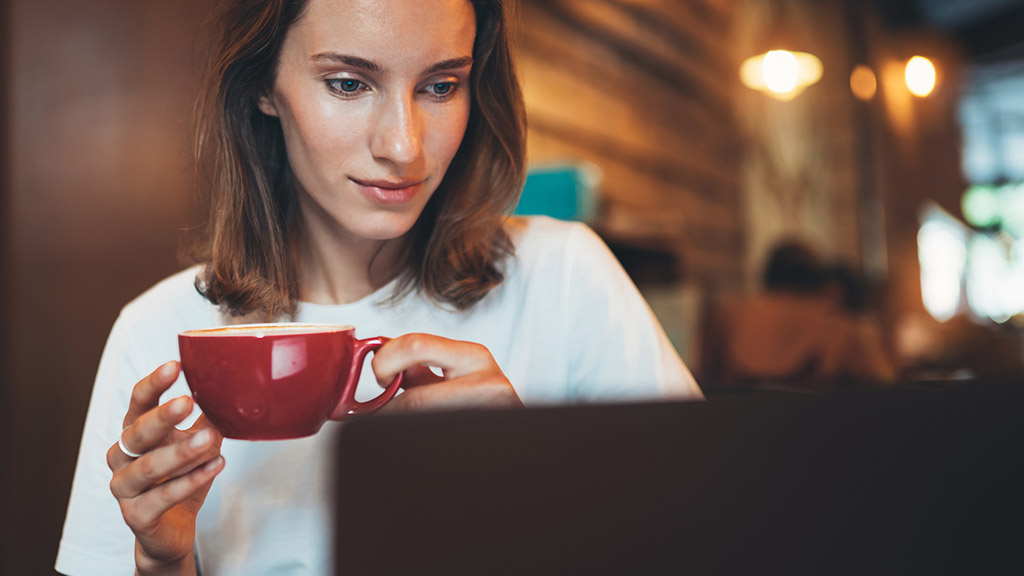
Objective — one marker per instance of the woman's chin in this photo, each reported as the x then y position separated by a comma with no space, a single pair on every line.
383,229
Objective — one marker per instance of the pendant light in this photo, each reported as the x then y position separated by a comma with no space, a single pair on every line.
781,70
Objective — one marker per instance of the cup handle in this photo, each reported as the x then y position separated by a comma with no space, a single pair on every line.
349,406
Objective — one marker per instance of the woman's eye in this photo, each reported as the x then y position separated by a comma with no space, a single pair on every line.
442,88
344,85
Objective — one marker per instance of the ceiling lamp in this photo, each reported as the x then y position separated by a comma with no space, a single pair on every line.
920,76
780,70
781,74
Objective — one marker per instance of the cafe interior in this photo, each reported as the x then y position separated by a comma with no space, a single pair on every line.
880,141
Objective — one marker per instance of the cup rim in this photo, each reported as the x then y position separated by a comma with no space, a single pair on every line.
320,326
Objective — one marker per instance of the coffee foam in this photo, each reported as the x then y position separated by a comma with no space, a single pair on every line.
260,330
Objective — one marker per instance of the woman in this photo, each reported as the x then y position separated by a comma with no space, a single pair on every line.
361,156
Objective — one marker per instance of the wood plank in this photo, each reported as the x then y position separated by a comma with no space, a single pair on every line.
644,90
633,50
686,25
554,54
642,109
707,181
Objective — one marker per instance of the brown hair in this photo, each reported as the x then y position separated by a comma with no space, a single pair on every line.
455,250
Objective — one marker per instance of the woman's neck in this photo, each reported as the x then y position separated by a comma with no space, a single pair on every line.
337,267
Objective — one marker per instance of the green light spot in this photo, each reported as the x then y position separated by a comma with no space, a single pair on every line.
981,206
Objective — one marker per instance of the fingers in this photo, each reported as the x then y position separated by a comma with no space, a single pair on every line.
466,393
472,379
166,462
455,358
175,469
145,510
146,394
149,430
420,376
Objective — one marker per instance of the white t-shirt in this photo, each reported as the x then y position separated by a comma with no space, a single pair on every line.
567,325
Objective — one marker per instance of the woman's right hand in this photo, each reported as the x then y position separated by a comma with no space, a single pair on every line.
161,491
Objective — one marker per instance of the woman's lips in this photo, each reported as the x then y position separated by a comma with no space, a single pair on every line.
389,191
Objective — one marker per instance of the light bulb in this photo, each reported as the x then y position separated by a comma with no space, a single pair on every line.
920,76
780,71
781,74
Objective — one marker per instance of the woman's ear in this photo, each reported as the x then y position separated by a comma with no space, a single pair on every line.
267,105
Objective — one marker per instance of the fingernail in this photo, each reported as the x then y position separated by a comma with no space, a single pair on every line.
201,438
167,370
213,463
179,406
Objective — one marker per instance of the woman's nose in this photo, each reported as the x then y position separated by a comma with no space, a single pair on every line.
397,136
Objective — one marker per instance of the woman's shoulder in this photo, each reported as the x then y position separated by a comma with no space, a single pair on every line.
555,254
527,228
542,236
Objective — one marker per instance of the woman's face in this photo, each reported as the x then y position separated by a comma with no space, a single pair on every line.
373,98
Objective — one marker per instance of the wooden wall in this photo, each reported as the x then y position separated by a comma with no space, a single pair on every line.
7,486
97,187
643,90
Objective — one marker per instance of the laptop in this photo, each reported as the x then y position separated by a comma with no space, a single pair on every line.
910,482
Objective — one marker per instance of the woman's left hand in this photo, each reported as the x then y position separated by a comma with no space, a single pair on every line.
471,378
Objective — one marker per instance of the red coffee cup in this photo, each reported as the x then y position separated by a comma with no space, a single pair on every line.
277,381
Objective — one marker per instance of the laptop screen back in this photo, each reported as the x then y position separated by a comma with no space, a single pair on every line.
927,482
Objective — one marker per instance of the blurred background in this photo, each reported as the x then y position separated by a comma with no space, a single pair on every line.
885,138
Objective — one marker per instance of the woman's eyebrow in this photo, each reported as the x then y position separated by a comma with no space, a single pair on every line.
371,66
450,64
348,60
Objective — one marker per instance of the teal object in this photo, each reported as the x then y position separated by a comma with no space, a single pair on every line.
563,192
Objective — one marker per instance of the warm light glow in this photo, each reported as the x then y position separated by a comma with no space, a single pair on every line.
780,71
781,74
898,102
920,76
863,83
